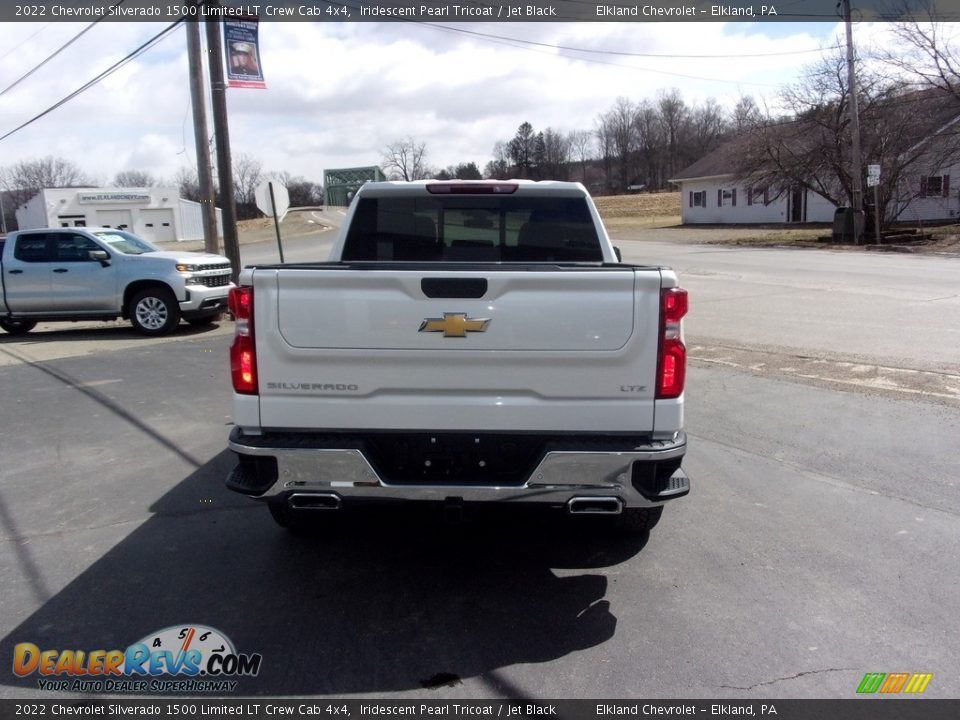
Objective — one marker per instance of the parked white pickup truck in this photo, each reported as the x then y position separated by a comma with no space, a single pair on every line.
100,274
466,342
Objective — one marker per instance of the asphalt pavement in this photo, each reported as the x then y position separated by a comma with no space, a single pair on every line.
819,541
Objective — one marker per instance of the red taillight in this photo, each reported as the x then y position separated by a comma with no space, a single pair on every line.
672,363
240,302
673,304
243,355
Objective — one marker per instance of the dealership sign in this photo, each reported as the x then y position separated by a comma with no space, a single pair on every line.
117,197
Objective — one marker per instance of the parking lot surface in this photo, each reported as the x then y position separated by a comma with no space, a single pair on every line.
819,541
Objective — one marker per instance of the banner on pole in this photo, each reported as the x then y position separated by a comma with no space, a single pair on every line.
241,43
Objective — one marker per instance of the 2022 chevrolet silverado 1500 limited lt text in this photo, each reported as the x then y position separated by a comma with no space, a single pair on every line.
466,342
100,274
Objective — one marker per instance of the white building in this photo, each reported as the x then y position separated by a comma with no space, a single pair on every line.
712,192
157,214
720,199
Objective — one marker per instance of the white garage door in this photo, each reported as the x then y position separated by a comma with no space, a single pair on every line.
157,225
120,219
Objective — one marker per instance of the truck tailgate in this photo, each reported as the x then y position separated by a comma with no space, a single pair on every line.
490,348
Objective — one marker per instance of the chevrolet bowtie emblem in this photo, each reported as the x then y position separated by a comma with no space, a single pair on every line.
454,325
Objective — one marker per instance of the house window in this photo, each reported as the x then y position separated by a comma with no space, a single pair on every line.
934,185
698,199
726,198
758,196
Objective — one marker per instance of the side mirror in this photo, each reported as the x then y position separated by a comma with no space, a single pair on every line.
101,256
616,251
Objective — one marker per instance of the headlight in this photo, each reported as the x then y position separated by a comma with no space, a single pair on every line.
184,267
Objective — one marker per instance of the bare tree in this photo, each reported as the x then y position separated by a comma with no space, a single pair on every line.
707,126
746,114
555,164
650,145
900,130
247,174
406,159
581,148
134,179
604,134
302,192
619,132
499,167
924,50
674,115
26,178
187,184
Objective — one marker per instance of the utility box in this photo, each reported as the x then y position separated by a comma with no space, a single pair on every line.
847,224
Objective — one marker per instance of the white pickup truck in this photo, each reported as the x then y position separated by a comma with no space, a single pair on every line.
71,274
466,342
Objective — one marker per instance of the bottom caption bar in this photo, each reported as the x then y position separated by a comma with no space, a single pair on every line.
854,709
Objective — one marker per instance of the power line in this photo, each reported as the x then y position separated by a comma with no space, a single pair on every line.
56,52
25,41
619,52
509,43
106,73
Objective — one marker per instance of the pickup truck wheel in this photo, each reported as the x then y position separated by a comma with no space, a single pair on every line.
638,520
17,327
154,311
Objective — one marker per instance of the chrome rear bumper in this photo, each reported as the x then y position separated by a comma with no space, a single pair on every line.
272,473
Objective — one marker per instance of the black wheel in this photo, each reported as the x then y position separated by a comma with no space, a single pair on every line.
634,521
154,311
205,319
17,327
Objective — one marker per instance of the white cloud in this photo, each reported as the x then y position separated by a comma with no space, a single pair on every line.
338,93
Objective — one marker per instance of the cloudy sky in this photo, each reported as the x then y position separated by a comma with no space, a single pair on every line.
338,93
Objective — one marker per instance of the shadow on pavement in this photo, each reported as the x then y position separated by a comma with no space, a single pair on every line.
383,602
104,332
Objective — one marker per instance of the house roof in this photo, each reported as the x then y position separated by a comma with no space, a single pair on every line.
935,110
718,163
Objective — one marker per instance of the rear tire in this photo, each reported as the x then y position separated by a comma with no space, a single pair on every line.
154,311
635,521
17,327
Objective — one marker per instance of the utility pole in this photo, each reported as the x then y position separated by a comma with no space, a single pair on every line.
211,239
856,170
218,92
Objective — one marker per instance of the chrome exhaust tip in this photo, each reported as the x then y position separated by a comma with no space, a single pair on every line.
314,501
595,506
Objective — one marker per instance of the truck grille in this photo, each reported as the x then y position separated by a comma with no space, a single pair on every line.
212,280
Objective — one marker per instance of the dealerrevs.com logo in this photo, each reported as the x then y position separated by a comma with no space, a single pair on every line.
180,658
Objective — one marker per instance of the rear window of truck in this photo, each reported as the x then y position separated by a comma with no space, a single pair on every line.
472,229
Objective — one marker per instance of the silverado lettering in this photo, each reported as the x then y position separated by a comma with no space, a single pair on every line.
311,386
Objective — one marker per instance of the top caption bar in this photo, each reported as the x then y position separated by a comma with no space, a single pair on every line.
480,11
